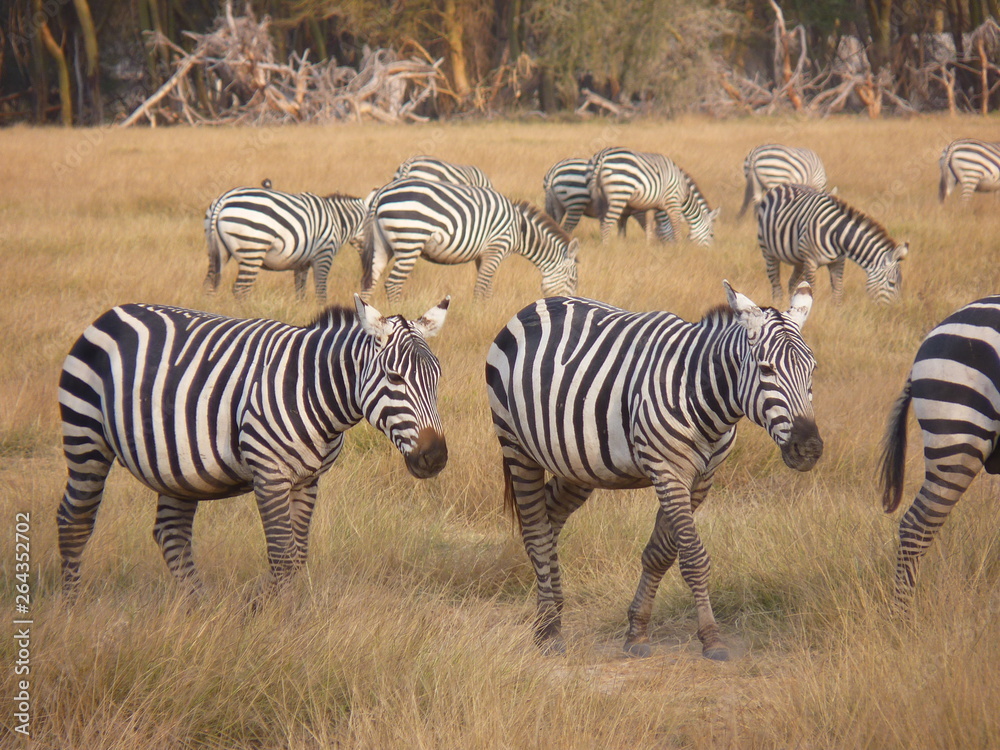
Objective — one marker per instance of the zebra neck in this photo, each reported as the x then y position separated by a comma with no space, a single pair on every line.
331,370
861,242
723,349
537,246
695,206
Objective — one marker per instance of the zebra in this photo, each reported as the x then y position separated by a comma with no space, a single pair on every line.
263,228
600,397
438,170
200,407
973,164
954,386
567,195
773,164
449,224
808,228
623,179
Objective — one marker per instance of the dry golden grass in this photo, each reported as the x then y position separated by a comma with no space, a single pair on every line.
412,625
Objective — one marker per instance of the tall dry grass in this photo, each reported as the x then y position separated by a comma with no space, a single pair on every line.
411,627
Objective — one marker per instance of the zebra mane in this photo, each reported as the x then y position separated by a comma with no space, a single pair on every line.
536,215
342,196
694,184
719,314
866,221
334,316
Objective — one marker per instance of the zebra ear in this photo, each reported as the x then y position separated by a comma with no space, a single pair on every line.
573,249
371,320
748,314
900,252
801,304
432,320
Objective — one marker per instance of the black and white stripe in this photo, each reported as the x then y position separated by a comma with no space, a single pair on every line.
807,228
199,407
772,164
450,224
972,164
262,228
954,386
438,170
598,397
625,179
567,195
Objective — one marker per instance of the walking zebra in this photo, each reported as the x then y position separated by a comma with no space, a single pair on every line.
624,179
449,224
773,164
808,228
973,164
599,397
200,407
438,170
264,228
954,386
567,195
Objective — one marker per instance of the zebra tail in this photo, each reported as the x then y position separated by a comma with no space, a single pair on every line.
943,185
214,243
747,197
509,501
893,464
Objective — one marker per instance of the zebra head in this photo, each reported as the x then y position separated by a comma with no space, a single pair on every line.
703,228
399,385
885,278
775,379
562,278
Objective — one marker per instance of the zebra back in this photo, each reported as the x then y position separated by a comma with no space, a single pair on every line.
438,170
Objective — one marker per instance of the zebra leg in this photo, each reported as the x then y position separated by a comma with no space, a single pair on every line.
274,505
676,218
610,218
948,472
172,532
302,501
301,275
836,280
250,265
89,463
400,272
572,217
321,272
527,484
664,229
657,558
562,497
486,268
773,266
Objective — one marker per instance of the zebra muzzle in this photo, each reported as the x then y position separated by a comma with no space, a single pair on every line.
429,455
804,446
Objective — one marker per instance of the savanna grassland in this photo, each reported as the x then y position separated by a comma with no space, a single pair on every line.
412,624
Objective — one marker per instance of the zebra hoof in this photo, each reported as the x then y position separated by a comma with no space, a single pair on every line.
638,649
553,647
717,652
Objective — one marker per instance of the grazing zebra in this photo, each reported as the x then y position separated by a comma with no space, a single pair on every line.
264,228
624,179
438,170
973,164
200,407
954,386
449,224
567,196
599,397
808,228
773,164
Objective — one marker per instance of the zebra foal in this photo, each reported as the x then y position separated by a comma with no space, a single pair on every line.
598,397
623,181
451,224
264,228
954,387
773,164
972,164
808,228
439,170
200,407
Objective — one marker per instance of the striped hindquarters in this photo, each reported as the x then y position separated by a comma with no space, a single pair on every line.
972,164
567,192
773,164
438,170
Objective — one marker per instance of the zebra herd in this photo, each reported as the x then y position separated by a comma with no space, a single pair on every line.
583,395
